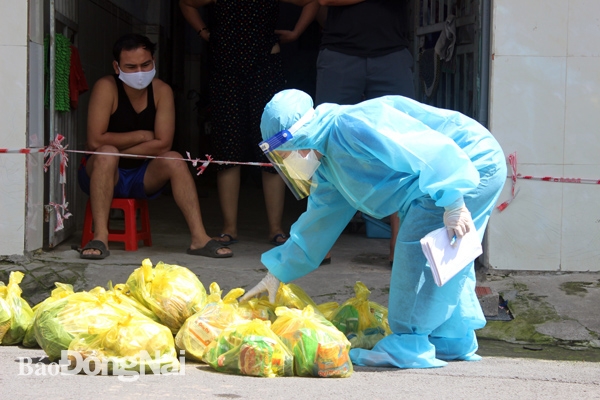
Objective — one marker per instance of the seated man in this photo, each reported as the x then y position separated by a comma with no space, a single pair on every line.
132,112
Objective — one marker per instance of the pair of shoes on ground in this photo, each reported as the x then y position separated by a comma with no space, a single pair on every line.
277,240
211,249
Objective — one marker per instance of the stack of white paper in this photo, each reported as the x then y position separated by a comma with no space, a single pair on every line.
445,259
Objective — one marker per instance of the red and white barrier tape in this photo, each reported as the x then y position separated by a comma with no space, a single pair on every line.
512,160
55,148
560,180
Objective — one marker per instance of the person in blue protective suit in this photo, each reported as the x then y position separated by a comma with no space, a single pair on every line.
391,154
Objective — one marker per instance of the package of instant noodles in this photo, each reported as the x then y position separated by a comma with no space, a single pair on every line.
260,308
202,328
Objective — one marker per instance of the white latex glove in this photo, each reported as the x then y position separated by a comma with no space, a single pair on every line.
457,219
269,284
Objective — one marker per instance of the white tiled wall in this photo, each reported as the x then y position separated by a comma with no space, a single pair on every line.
545,106
13,120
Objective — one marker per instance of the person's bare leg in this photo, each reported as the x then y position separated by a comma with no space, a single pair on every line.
159,172
274,192
395,225
228,184
103,173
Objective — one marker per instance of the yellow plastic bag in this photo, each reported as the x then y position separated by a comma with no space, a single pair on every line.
58,322
62,290
120,293
5,316
172,292
132,343
202,328
358,322
21,313
381,315
319,348
250,348
293,296
327,309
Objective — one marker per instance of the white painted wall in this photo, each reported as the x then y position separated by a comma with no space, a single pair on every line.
545,106
13,123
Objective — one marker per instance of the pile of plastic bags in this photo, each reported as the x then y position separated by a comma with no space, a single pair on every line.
163,309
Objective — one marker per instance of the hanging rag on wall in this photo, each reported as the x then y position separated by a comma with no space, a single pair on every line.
434,61
62,61
444,46
77,82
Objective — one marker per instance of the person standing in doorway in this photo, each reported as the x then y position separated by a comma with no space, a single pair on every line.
245,72
364,54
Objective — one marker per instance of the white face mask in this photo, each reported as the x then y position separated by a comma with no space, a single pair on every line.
299,167
137,80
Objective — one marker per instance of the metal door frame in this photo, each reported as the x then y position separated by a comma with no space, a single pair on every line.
65,13
466,89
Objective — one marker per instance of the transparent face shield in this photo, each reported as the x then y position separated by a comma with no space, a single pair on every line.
296,167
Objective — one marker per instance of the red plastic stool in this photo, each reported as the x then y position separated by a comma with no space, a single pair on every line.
130,235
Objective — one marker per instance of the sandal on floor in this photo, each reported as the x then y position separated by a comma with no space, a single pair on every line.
274,241
94,245
210,250
231,240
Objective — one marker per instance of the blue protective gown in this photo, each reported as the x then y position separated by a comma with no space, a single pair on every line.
383,156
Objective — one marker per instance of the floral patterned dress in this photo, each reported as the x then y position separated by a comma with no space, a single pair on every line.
244,75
